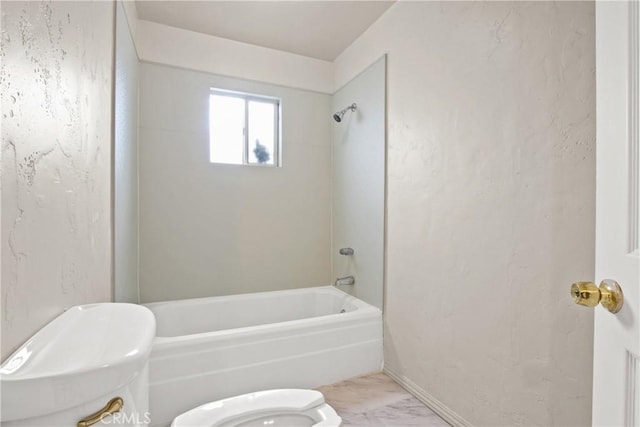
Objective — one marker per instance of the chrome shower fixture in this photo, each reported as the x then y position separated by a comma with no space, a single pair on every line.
340,114
344,281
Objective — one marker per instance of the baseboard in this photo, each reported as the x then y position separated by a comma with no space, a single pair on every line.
431,402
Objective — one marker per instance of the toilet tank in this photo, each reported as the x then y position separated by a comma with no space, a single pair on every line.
89,366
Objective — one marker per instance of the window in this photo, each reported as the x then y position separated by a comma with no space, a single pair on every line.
244,129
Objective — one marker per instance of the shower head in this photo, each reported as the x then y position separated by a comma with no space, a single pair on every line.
340,114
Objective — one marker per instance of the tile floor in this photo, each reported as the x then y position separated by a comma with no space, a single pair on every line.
376,400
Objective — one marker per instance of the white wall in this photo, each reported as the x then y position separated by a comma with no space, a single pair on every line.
491,189
55,89
358,180
182,48
210,229
125,163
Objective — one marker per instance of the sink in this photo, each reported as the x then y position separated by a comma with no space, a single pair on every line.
81,355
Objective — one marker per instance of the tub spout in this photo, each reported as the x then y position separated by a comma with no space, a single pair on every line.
344,281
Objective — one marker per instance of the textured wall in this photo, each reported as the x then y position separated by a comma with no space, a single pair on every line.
55,89
210,229
125,163
358,176
491,189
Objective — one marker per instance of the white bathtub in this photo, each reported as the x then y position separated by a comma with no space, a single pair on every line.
212,348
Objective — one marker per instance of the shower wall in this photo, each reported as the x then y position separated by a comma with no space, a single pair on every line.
214,229
200,223
358,183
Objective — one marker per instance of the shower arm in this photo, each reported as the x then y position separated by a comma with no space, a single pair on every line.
353,107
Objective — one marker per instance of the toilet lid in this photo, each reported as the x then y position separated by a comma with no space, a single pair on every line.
221,411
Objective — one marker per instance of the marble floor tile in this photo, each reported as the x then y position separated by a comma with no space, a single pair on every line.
376,400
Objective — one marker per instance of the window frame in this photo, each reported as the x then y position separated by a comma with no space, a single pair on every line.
247,97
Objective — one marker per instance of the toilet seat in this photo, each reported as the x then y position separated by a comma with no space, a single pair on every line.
286,407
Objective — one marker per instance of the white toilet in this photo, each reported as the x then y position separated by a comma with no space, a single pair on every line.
273,408
86,366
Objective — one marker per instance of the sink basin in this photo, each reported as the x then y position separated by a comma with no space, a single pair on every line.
83,354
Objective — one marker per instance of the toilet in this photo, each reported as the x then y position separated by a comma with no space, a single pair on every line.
273,408
88,365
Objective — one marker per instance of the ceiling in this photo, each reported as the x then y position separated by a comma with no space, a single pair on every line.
318,29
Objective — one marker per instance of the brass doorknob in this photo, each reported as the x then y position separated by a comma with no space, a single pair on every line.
609,294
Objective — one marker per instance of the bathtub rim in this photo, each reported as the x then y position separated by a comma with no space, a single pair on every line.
363,312
327,289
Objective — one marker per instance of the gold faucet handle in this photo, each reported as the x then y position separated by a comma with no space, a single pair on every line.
113,406
609,294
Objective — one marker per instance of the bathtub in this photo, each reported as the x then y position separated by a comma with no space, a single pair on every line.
212,348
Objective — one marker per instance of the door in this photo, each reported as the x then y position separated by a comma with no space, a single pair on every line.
616,362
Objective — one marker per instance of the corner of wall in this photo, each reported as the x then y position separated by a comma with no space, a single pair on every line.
442,410
131,13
